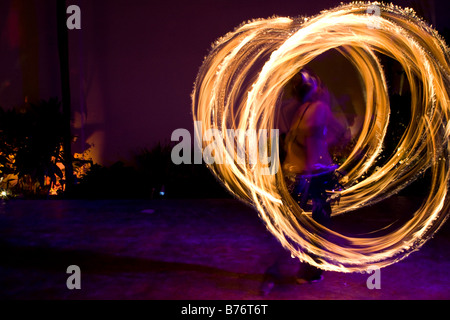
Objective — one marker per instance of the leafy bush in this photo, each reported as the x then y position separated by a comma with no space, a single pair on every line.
153,176
31,138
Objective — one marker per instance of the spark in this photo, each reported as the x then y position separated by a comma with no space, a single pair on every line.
241,82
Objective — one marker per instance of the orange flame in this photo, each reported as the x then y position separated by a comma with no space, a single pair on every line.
241,82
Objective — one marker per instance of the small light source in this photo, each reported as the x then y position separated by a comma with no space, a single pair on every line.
161,193
3,194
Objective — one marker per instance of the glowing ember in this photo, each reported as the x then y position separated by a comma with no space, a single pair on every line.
241,83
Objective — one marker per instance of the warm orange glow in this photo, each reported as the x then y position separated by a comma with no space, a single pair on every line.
241,83
79,171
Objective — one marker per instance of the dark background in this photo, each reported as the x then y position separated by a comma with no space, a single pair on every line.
133,63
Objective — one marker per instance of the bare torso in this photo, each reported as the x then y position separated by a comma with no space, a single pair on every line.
306,145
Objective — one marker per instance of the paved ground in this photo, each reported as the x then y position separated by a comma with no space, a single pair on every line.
181,249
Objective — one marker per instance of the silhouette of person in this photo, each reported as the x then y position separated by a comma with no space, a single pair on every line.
308,167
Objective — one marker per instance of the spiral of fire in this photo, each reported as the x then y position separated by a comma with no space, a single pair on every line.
240,84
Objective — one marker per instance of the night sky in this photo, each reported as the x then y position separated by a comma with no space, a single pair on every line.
133,63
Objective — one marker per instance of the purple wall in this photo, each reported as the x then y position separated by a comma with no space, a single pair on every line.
133,64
